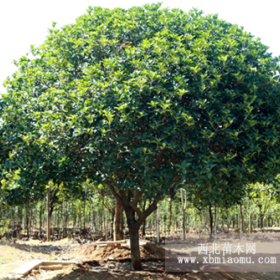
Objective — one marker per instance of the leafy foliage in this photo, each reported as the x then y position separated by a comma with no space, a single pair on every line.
153,99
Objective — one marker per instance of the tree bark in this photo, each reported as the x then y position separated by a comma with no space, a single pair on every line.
48,212
241,219
66,217
84,213
118,234
211,218
27,218
40,214
250,223
170,216
228,220
261,217
261,220
184,206
30,220
112,223
134,240
216,218
144,223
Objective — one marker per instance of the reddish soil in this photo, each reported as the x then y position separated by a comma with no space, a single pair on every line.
90,251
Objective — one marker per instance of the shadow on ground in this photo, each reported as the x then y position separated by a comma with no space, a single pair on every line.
89,275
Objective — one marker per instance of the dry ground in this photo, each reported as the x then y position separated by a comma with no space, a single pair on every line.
14,255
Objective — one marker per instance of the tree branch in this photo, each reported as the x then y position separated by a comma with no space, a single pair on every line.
152,207
125,201
116,195
137,196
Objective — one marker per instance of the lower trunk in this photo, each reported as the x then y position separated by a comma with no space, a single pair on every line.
144,223
27,219
261,217
135,250
228,220
143,228
74,220
65,226
30,221
241,219
170,216
134,240
122,224
49,215
184,202
216,219
211,218
84,214
250,224
261,220
118,234
134,225
40,226
112,224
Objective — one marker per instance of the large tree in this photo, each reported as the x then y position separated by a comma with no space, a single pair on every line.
150,100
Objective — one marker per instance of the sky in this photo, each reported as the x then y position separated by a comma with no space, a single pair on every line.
26,23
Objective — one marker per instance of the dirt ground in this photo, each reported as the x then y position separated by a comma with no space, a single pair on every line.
110,263
90,251
81,275
75,273
13,256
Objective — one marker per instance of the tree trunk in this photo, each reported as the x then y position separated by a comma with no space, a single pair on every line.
261,221
91,217
118,234
106,224
131,208
134,240
74,221
30,221
112,223
184,206
40,214
27,219
144,228
84,213
250,223
216,218
66,217
20,216
228,220
48,213
144,223
170,216
261,217
211,218
157,226
122,224
241,219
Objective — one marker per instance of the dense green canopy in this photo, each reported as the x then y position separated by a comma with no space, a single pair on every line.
154,96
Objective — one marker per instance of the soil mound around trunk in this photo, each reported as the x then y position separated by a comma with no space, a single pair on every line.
90,251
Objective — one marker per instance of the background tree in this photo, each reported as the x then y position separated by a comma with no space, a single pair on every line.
262,196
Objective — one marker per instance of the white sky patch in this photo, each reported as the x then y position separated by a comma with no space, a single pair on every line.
26,23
